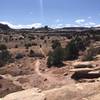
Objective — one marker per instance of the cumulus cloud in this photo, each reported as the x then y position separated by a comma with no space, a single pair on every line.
68,25
90,24
36,25
84,23
79,21
98,25
57,26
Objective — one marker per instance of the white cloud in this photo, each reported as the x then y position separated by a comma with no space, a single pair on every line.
90,24
36,25
79,21
68,25
84,23
98,25
57,26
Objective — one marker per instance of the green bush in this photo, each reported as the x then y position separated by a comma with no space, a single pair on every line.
3,47
28,45
89,54
5,56
55,44
55,58
73,48
19,56
31,53
71,51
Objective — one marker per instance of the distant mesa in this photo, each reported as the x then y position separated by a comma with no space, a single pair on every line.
47,29
4,27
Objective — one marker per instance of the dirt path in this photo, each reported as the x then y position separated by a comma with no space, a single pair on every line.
42,52
48,76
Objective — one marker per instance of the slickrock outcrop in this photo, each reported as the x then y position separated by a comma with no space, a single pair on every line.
85,70
30,94
82,65
81,91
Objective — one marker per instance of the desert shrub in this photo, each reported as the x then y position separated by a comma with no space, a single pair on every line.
55,58
45,41
5,56
3,47
31,37
80,44
72,49
31,53
34,44
89,54
55,44
39,55
40,45
16,46
48,37
19,56
28,45
42,37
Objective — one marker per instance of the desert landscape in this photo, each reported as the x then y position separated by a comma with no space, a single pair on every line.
49,64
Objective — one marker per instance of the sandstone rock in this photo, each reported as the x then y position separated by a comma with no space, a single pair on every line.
83,91
94,97
30,94
82,65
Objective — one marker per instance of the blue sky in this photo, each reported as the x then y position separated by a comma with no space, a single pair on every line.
55,13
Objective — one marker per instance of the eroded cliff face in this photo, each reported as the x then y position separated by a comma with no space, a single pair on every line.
80,91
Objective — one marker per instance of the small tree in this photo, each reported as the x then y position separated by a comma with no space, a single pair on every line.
80,44
55,58
73,48
71,51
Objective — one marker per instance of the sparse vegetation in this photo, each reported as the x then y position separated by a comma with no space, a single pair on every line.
55,58
28,45
3,47
89,54
31,53
73,48
32,70
19,56
55,44
5,56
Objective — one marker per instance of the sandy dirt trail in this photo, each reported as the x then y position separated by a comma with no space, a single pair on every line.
48,76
